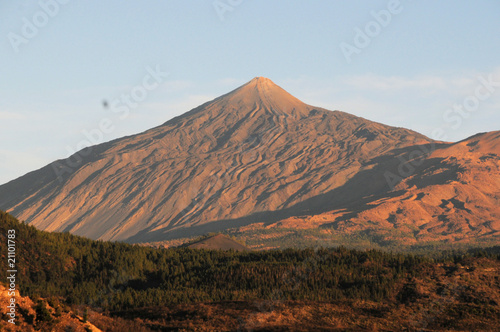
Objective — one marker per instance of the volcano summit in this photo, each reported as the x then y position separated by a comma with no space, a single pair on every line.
256,155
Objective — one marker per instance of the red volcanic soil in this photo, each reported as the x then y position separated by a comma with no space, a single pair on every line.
259,157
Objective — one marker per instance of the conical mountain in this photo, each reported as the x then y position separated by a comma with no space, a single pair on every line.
255,149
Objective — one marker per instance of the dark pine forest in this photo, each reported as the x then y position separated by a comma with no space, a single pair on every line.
118,276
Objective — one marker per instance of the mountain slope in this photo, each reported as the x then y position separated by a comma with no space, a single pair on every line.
254,149
450,195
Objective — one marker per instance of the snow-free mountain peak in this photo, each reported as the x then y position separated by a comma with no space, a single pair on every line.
256,149
263,93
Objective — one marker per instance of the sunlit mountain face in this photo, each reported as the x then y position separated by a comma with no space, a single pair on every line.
259,156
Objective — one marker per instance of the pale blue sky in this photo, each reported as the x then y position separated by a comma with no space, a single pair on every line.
429,56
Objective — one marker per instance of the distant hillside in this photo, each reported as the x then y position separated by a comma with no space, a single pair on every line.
217,242
449,197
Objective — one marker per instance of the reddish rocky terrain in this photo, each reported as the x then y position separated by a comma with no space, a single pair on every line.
258,158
